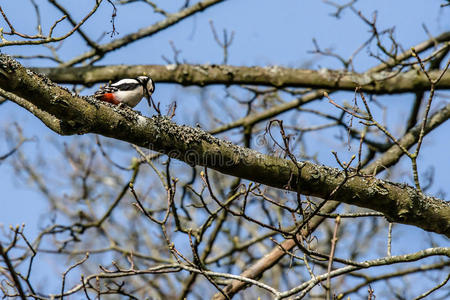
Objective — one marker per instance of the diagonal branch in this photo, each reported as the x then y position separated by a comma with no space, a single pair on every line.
388,158
49,38
88,41
143,32
398,202
17,284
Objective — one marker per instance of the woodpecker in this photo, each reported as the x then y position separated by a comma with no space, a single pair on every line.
127,91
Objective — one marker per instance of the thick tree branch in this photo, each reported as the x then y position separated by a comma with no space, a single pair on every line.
49,120
382,82
390,157
387,159
398,202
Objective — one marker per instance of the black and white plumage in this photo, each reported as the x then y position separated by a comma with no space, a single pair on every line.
127,91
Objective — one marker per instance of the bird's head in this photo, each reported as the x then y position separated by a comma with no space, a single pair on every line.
148,85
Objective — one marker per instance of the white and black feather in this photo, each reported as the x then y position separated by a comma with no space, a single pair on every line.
126,86
105,89
128,91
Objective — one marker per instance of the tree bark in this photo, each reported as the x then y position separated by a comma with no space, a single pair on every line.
80,115
381,82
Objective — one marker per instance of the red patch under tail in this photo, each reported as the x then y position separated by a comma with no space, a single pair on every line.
109,97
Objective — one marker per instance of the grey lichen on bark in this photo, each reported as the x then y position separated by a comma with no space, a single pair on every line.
399,202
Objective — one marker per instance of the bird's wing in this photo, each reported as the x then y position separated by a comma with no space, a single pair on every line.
127,86
104,90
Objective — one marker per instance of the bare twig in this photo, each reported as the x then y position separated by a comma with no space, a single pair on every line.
39,39
13,272
330,261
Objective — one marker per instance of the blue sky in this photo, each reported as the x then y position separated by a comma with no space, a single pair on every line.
266,33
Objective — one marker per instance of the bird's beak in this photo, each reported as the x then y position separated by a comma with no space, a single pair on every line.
148,97
149,100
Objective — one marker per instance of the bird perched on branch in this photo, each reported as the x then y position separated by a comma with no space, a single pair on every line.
128,91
